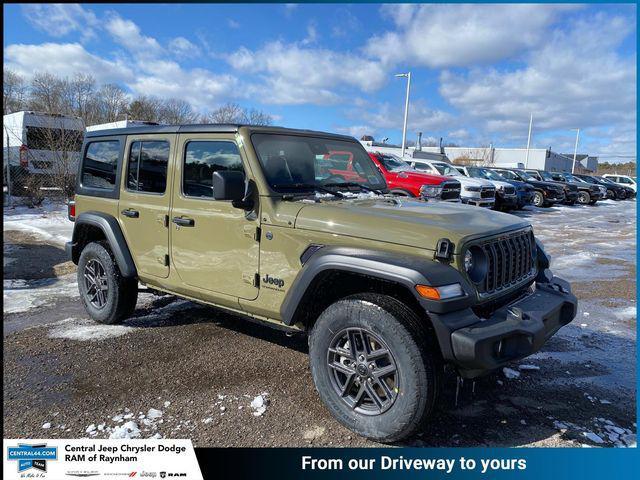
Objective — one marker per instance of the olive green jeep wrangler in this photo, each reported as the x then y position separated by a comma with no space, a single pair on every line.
262,222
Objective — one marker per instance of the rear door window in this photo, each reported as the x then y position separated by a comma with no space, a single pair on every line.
100,165
147,166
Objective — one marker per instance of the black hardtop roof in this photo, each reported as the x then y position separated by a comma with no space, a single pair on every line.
210,128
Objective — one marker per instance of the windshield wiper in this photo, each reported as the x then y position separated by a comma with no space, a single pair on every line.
308,186
353,184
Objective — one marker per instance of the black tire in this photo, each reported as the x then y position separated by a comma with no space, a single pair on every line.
415,355
593,202
121,295
584,198
611,195
538,199
400,193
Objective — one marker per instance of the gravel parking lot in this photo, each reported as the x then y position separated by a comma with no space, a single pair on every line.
182,370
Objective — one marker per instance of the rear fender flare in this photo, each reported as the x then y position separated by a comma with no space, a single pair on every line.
113,233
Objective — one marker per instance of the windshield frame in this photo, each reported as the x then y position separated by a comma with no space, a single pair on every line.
382,186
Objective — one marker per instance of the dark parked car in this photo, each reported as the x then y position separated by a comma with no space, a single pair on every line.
570,190
545,194
628,191
588,193
614,192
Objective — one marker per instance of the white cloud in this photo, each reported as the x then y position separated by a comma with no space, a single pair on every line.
357,131
294,74
127,34
385,116
575,79
312,35
181,47
232,23
60,19
63,59
460,35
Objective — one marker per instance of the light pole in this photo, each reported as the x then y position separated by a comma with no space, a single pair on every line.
526,161
575,150
406,109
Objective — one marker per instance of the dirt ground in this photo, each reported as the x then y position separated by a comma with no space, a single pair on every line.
181,370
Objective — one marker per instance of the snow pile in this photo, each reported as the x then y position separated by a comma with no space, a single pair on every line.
23,295
84,330
48,222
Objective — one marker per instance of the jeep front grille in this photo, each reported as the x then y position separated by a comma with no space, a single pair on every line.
509,261
487,192
450,190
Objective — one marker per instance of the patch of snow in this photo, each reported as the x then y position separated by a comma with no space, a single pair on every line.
593,437
153,413
22,295
48,222
127,430
46,425
85,330
527,367
91,428
510,373
259,404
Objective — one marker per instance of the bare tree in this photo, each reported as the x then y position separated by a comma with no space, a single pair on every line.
234,113
175,111
47,93
81,98
14,89
112,103
144,108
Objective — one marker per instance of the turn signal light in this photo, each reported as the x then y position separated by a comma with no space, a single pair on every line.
426,291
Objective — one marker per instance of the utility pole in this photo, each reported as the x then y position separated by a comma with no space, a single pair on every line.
526,161
406,109
575,150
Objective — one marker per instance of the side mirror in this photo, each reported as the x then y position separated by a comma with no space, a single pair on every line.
228,185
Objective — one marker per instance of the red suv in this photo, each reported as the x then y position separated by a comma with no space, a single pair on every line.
401,178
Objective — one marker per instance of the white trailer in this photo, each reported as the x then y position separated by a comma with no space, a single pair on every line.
40,144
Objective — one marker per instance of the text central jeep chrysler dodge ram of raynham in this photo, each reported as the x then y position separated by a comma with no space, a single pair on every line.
388,289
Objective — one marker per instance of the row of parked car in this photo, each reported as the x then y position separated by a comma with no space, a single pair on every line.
491,187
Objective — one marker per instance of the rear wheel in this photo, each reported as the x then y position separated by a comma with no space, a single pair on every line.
374,367
584,198
107,296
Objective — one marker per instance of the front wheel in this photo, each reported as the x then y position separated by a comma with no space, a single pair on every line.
107,296
374,367
584,198
538,199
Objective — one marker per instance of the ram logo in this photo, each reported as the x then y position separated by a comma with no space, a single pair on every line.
276,282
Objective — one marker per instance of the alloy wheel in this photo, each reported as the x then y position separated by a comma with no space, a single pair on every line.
363,371
96,283
538,199
583,198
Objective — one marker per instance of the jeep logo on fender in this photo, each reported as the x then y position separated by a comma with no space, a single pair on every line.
278,282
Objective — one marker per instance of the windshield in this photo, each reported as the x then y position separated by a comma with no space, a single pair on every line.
394,164
571,178
526,176
477,172
546,176
506,174
587,178
289,161
447,170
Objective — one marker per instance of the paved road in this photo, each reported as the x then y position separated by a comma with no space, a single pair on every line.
181,370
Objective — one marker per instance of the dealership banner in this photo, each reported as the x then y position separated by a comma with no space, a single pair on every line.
95,459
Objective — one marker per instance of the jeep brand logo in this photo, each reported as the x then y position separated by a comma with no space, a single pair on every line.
278,282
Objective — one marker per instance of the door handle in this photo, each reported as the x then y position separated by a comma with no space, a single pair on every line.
130,213
183,222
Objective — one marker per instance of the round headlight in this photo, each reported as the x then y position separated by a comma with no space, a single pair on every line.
475,264
468,261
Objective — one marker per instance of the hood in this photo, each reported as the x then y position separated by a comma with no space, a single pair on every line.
500,184
401,221
424,177
474,182
549,185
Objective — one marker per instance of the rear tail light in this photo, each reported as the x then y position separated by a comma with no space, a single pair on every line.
24,156
71,209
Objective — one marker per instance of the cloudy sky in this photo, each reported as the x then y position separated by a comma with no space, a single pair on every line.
478,70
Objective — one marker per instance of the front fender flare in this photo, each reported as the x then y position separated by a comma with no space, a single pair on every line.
406,270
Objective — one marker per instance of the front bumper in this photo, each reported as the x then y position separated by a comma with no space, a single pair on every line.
525,198
478,202
506,200
477,346
571,197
